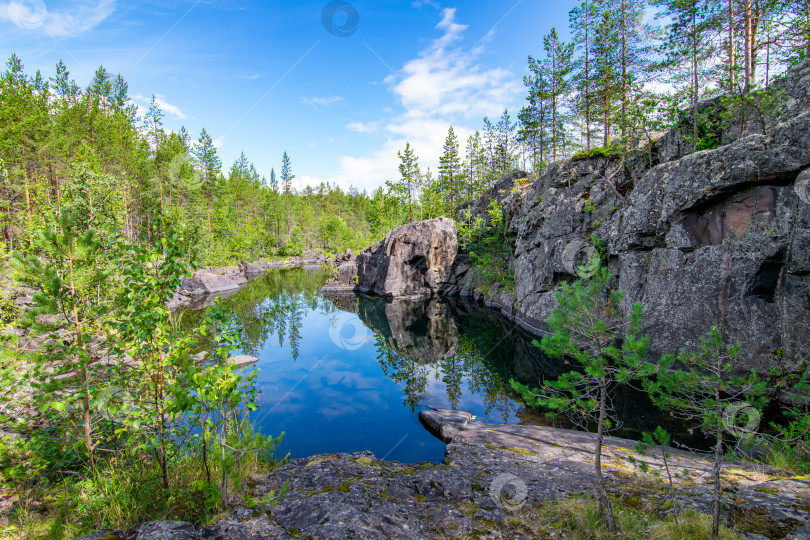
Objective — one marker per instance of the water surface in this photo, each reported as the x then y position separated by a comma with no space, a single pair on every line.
352,373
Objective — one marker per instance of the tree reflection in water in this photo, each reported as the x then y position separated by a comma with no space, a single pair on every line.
448,354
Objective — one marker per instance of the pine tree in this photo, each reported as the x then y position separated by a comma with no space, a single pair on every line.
119,92
410,178
210,165
635,53
286,183
706,391
537,115
505,147
553,85
587,326
101,85
61,82
70,280
490,142
606,50
582,20
153,121
286,173
472,167
690,36
450,168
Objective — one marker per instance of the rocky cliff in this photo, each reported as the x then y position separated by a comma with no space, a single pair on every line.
715,237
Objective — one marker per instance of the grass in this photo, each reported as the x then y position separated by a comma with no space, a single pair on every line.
119,494
612,151
692,525
577,518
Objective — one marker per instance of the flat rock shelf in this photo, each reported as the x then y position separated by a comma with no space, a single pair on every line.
489,471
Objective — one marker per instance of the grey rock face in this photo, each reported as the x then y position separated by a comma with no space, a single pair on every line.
210,281
207,284
413,260
445,423
243,360
250,269
717,237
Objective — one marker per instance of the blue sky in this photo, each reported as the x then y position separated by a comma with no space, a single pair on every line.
268,76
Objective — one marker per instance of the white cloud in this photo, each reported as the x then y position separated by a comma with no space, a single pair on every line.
219,142
444,85
168,108
83,15
165,106
300,182
446,80
322,101
420,3
360,127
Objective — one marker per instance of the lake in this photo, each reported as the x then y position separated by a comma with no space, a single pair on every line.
352,373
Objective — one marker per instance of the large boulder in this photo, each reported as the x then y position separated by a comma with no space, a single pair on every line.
205,282
251,270
413,260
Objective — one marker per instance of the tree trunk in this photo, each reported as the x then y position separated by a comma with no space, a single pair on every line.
208,208
718,462
554,104
86,418
624,67
587,82
732,57
694,82
603,502
410,202
161,419
748,15
452,197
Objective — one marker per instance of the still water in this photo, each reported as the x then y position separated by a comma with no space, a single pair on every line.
352,373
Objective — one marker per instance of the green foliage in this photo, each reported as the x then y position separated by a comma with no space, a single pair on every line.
590,328
89,153
613,151
74,293
119,493
789,445
692,525
8,311
706,388
173,431
601,248
727,407
709,130
585,328
489,247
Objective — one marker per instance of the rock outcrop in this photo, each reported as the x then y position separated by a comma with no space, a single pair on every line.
207,284
716,237
413,260
489,471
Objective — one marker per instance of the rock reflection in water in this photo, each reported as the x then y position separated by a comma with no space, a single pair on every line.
427,346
